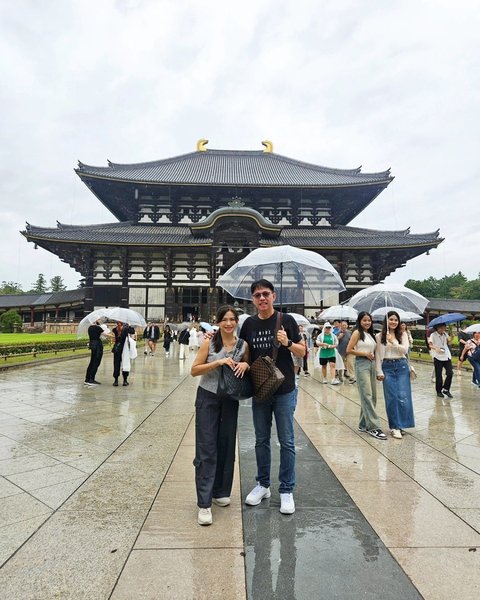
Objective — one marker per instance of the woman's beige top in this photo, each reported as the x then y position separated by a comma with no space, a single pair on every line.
367,345
390,350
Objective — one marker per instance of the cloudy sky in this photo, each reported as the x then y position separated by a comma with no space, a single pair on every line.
339,83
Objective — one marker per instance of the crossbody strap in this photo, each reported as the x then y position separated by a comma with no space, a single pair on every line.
276,344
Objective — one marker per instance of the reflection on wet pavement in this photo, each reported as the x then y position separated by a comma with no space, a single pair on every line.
103,476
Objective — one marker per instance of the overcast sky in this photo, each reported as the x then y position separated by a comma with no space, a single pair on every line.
339,83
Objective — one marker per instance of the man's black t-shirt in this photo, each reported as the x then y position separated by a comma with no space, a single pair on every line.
94,332
258,333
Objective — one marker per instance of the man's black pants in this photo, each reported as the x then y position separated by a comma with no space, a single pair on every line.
96,349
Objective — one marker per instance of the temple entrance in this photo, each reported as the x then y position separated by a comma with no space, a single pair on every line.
190,313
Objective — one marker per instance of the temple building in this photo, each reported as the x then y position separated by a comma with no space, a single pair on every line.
181,222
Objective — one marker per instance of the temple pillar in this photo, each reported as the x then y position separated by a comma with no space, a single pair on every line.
171,309
212,303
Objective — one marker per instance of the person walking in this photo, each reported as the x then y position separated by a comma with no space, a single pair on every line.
259,332
216,418
120,362
167,339
472,352
343,337
438,343
95,331
151,334
362,345
394,371
305,340
183,342
328,342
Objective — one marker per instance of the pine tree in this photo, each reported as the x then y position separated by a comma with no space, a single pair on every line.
56,284
40,286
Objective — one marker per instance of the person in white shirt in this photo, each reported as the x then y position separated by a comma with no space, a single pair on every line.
442,359
393,371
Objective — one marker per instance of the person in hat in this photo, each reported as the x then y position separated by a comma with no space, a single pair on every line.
328,342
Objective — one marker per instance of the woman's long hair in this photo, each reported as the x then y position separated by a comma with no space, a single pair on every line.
358,327
398,329
221,312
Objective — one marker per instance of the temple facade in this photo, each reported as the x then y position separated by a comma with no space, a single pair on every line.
181,222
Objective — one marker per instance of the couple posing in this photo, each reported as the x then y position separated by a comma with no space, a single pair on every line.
216,418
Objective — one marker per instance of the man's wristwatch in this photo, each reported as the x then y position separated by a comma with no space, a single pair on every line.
289,343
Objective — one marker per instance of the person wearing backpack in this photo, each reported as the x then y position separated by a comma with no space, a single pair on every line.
183,341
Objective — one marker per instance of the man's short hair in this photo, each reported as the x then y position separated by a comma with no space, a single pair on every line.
262,283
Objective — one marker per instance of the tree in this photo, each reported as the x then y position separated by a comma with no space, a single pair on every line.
446,287
56,284
8,320
40,286
10,287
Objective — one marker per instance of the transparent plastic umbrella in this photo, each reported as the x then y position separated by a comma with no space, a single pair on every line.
300,319
379,314
100,313
339,312
299,276
391,294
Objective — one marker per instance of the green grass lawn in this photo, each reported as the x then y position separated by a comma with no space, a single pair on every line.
11,339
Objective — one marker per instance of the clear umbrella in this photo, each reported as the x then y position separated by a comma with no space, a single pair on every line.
300,319
391,294
379,314
473,328
126,315
339,312
299,276
82,329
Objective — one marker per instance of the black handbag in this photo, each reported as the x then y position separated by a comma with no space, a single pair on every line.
232,387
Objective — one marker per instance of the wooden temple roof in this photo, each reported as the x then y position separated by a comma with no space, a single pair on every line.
233,167
133,234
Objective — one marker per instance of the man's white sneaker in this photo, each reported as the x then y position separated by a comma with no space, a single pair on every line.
336,381
325,381
257,495
205,516
225,501
287,504
397,434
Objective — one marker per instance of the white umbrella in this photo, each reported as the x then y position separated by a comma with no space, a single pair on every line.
299,276
339,312
300,319
379,314
391,294
126,315
472,328
82,329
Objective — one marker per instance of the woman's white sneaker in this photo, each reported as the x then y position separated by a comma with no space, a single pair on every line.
205,516
257,495
287,504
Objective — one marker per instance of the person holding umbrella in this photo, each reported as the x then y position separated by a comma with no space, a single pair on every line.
394,372
121,333
438,343
362,345
95,331
259,332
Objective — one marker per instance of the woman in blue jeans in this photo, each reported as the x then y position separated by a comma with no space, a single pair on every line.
362,346
394,371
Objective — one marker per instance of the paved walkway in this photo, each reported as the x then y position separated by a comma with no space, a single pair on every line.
97,495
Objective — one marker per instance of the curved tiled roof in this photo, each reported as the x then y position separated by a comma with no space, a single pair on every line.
128,233
48,299
233,167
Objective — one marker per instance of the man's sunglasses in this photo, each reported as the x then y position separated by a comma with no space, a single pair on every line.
258,295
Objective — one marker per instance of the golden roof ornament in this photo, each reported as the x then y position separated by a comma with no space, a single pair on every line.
201,145
268,146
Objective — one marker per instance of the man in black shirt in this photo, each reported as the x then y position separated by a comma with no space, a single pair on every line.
96,352
258,332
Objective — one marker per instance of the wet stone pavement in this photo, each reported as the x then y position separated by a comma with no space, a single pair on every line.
97,496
